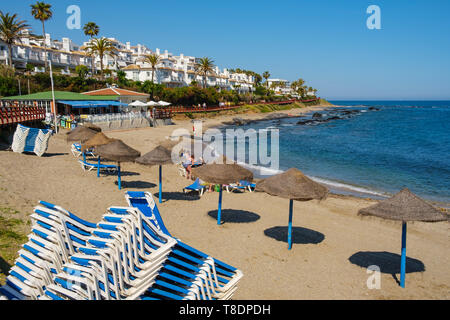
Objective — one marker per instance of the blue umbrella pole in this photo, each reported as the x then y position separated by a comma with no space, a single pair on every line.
219,212
119,182
84,156
291,205
98,168
403,260
160,184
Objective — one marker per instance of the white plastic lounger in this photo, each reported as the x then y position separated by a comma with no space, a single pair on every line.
76,151
87,166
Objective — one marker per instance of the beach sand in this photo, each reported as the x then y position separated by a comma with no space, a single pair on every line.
253,238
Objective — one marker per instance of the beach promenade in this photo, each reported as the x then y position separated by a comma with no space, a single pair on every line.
330,240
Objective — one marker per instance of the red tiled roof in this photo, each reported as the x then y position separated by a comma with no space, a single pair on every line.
115,92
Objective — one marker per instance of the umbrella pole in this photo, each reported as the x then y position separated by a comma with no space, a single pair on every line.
219,212
84,156
160,184
98,168
119,182
403,259
291,205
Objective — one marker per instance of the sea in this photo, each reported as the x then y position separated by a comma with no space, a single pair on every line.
368,148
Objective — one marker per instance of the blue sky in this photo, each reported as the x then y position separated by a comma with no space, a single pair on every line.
325,42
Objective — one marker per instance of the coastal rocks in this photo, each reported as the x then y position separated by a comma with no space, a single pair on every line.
305,122
331,115
241,122
374,109
317,116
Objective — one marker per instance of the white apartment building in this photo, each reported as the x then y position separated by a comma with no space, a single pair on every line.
63,54
280,86
174,71
179,71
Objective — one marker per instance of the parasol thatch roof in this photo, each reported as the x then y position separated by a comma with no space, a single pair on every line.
158,156
222,173
118,151
405,206
293,185
80,134
97,140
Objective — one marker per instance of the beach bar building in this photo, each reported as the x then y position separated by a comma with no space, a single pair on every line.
67,103
122,95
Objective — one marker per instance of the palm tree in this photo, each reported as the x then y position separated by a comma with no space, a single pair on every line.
91,29
101,47
10,29
205,66
152,59
42,11
266,75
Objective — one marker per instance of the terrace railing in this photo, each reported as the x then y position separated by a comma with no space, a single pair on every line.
13,115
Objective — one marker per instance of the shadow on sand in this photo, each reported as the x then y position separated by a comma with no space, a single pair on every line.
136,184
235,216
299,235
50,155
387,262
167,196
4,267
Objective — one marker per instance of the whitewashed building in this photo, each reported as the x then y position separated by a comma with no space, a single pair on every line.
173,71
63,54
179,71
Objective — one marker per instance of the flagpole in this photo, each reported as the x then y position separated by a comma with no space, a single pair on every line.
53,96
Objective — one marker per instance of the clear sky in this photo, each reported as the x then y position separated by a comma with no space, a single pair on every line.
325,42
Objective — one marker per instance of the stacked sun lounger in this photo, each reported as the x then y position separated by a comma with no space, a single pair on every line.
129,254
30,140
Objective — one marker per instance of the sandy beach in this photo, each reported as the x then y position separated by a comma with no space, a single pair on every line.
253,238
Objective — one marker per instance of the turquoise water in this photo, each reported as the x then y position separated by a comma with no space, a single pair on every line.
373,152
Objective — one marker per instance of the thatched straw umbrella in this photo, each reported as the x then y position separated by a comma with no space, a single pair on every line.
157,157
118,151
98,140
292,185
405,206
222,174
81,134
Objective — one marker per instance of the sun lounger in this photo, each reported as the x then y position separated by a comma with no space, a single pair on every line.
250,186
242,185
31,140
129,254
219,278
196,186
94,166
76,151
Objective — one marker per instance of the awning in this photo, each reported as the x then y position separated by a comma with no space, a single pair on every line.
92,103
